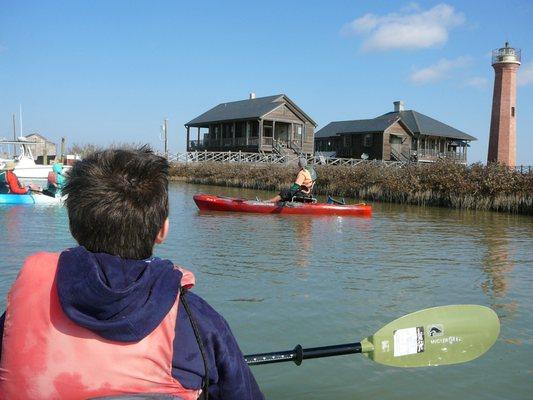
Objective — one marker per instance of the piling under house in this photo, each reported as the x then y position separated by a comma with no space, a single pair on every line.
262,124
401,135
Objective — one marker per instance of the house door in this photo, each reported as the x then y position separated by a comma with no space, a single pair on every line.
282,132
396,143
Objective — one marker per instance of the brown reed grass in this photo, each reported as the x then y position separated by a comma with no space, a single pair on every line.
443,183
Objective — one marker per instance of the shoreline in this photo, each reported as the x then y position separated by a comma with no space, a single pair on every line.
441,184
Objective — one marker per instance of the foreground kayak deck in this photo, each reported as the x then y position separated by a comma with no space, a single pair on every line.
207,202
28,199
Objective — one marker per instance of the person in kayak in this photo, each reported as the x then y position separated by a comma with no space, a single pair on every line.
56,181
304,183
9,182
108,317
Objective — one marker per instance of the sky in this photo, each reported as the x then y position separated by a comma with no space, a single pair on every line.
110,71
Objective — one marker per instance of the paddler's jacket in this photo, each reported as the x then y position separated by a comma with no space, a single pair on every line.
121,320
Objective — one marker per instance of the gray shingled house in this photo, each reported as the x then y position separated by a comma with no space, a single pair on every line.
399,135
262,124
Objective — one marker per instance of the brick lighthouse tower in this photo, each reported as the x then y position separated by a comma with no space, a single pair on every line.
502,141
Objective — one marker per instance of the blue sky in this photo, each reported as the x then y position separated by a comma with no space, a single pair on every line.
110,71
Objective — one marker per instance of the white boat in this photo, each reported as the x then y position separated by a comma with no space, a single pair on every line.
25,167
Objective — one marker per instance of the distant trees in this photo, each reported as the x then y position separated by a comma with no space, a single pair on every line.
83,149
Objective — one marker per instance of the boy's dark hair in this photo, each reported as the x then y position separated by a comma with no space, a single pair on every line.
117,201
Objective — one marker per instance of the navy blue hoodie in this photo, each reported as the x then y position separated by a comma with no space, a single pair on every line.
124,300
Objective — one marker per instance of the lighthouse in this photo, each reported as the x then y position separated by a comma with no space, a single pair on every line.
502,140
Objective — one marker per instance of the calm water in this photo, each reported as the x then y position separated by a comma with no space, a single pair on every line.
280,281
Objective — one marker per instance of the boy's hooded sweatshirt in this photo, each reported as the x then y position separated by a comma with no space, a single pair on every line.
124,300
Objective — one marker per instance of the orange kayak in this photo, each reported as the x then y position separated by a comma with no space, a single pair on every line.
207,202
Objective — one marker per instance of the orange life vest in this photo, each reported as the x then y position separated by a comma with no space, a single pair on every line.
47,356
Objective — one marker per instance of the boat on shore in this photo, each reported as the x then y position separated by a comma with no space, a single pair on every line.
207,202
33,198
25,166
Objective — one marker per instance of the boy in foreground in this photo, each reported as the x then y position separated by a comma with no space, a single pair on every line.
107,318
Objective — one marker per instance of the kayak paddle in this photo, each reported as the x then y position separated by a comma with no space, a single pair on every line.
434,336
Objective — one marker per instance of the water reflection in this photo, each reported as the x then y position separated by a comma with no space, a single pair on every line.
14,223
497,263
303,228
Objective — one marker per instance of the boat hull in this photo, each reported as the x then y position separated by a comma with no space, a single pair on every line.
28,199
36,172
206,202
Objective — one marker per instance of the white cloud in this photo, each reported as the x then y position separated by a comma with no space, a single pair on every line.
438,71
411,28
478,82
525,74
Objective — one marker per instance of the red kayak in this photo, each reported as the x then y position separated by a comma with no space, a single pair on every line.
207,202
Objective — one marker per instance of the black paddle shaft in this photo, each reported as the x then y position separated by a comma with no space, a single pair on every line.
299,354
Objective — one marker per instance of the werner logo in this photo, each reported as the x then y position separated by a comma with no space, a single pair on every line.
435,330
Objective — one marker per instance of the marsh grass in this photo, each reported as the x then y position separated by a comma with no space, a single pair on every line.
445,184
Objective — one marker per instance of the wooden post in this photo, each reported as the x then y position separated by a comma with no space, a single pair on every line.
187,147
233,135
260,135
62,154
45,154
247,132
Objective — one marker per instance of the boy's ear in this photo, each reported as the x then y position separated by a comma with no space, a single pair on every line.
163,232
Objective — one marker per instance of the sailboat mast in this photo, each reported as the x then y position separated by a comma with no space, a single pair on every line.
14,136
20,116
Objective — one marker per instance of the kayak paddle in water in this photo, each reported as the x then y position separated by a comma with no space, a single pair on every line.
435,336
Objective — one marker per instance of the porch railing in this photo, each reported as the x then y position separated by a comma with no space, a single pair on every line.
269,158
398,155
433,154
295,144
267,141
200,145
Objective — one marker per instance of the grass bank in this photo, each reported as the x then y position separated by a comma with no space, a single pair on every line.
444,184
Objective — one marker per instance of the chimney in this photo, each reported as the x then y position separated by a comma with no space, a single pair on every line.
252,95
398,106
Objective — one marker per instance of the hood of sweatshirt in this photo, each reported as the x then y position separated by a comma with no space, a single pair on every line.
118,299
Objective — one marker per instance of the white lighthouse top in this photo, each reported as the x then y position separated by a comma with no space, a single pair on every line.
506,55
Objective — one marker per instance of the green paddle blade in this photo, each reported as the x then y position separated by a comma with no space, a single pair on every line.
434,336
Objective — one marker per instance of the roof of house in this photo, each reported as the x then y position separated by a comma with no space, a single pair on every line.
38,135
416,122
245,109
355,126
422,124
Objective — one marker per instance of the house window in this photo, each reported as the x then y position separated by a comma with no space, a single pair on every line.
267,129
512,111
298,132
367,140
253,129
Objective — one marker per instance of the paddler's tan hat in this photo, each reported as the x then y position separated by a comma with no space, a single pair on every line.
10,165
